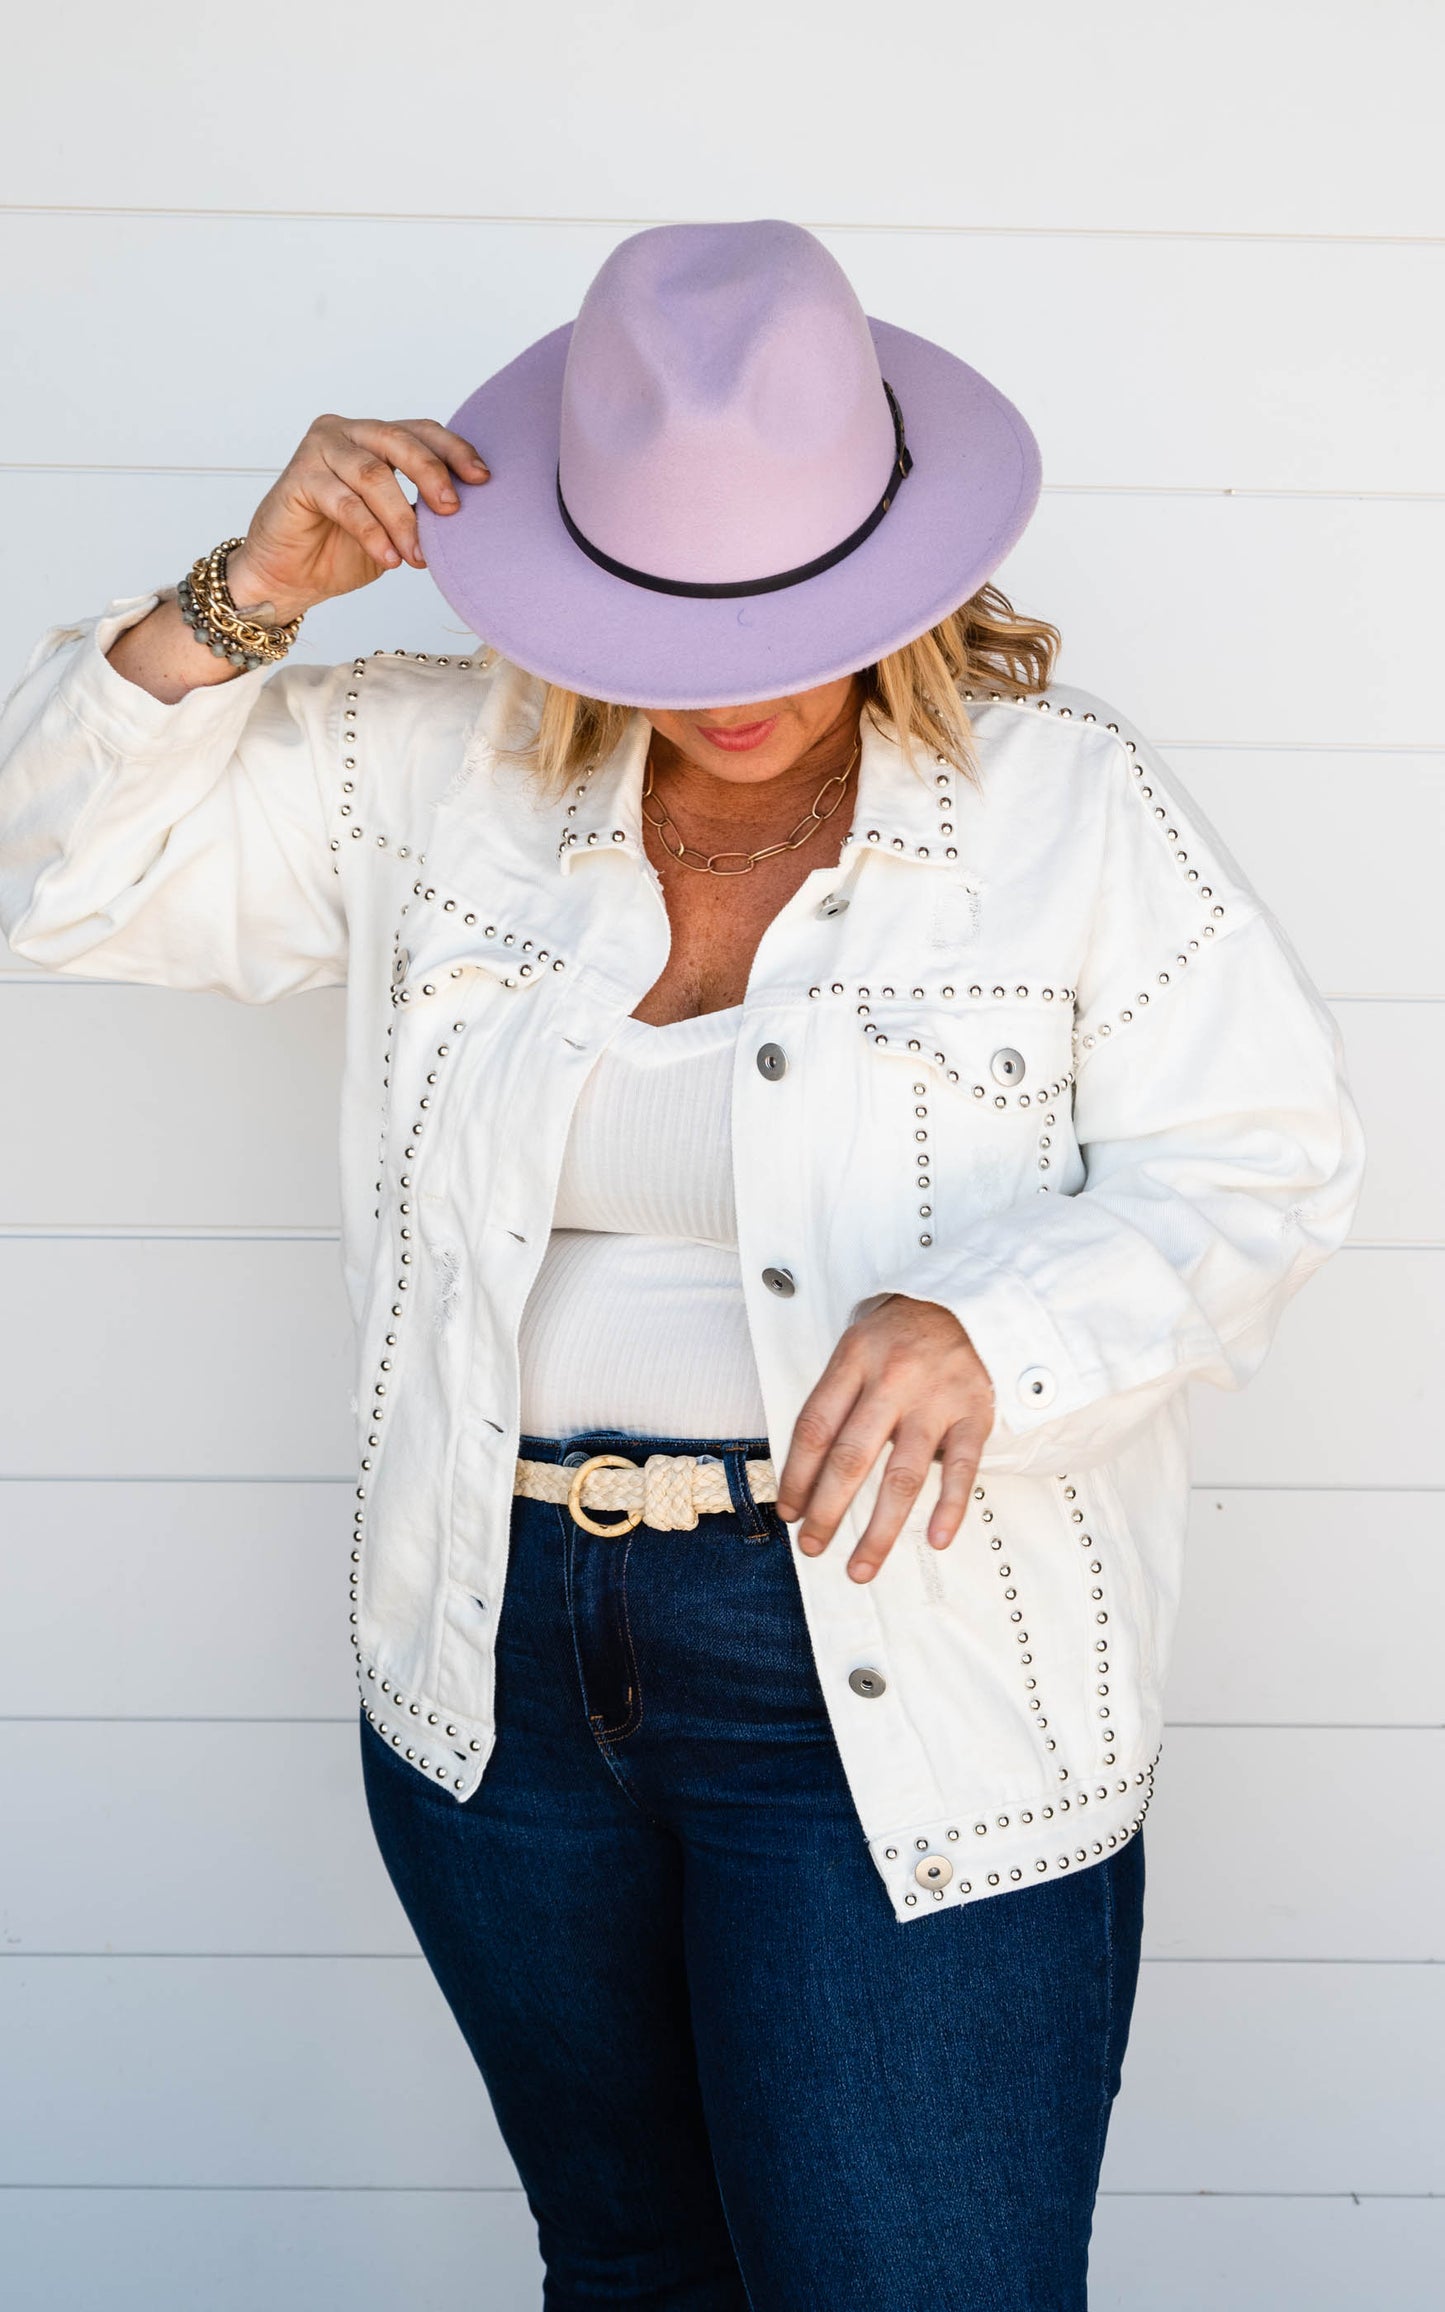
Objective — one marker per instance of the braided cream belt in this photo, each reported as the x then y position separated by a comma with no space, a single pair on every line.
670,1491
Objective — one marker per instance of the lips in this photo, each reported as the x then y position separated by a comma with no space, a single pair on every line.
736,738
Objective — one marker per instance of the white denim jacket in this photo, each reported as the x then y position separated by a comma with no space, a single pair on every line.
1049,1062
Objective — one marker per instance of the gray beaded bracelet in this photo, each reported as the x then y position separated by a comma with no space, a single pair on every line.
207,608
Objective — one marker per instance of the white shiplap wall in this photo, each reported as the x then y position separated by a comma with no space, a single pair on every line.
1203,249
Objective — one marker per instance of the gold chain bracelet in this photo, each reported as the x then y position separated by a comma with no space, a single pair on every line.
207,608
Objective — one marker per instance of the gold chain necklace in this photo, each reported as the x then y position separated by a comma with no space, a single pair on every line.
713,863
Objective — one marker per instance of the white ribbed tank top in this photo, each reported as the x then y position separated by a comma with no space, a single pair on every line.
636,1320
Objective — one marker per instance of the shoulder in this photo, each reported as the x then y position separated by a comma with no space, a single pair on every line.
413,689
1066,732
481,705
401,731
1100,769
415,739
1058,757
1052,728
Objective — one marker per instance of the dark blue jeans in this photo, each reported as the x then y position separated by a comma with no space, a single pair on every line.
728,2076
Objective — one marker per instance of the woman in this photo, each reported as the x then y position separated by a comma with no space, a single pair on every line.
814,1097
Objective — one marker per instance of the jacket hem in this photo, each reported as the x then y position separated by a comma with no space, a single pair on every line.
444,1746
939,1865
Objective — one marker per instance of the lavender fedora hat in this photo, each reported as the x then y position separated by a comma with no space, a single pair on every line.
723,482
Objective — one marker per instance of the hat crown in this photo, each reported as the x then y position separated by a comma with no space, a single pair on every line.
723,413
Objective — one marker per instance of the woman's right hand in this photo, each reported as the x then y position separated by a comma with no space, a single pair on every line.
337,517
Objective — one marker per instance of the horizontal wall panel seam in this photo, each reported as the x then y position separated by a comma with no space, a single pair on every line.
119,1232
240,1233
1358,2198
1429,748
570,223
286,1477
252,1477
291,1718
1299,747
415,1959
514,2192
42,979
1341,493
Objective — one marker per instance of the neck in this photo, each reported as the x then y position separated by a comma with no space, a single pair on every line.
710,801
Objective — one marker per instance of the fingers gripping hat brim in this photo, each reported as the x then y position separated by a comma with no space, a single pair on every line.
507,565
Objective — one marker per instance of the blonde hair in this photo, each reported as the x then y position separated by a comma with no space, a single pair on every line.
920,691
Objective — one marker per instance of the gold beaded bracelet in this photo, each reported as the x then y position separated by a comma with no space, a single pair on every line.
207,608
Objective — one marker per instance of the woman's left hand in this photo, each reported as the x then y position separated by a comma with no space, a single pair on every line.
908,1374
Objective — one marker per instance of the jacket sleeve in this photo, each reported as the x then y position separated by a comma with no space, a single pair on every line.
185,845
1221,1149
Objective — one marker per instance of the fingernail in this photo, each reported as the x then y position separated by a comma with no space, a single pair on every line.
391,557
448,498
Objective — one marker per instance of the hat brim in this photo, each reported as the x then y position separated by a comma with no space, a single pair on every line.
505,563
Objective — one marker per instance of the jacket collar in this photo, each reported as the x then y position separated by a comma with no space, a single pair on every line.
906,809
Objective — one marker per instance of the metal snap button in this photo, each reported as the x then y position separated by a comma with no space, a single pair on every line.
772,1062
834,904
780,1281
868,1683
401,965
1037,1385
935,1870
1007,1065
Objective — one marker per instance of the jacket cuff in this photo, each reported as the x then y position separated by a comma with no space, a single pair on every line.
1037,1376
122,715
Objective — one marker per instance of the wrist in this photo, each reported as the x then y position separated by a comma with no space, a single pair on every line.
258,596
208,607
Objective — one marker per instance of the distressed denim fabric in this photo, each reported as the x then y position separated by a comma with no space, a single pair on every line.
726,2075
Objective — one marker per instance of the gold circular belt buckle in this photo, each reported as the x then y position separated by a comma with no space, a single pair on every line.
629,1517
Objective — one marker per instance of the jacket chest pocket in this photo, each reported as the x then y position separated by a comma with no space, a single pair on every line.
443,946
983,1094
437,998
457,976
464,1003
